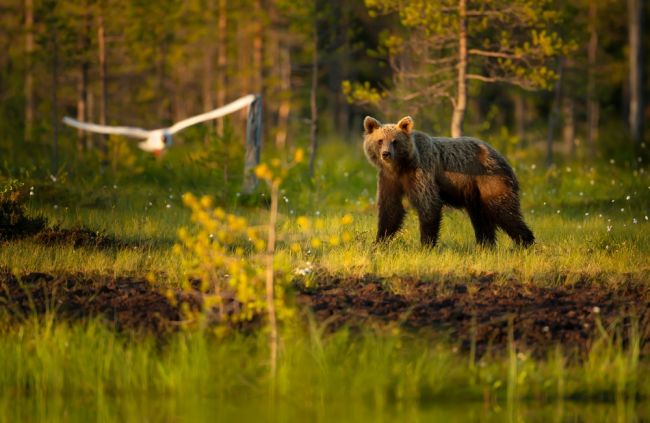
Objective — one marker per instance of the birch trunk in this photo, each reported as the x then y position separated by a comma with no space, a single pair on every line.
461,100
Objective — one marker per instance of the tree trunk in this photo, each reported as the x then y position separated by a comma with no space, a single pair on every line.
82,96
592,101
243,61
272,66
520,119
258,45
55,102
221,62
103,80
635,25
343,107
285,98
164,92
29,71
568,128
82,83
553,115
313,103
208,60
461,99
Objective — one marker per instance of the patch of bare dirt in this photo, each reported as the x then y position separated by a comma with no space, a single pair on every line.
125,302
15,224
476,312
77,237
479,311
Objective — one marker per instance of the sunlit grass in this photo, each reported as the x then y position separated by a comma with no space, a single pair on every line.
45,359
589,221
588,228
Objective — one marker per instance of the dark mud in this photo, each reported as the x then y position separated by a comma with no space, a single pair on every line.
77,238
480,312
127,303
14,223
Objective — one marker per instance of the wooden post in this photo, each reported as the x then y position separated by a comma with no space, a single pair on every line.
253,144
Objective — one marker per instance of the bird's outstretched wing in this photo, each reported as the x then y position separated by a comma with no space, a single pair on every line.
214,114
127,131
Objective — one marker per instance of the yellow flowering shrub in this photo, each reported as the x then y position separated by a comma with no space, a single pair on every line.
224,255
233,261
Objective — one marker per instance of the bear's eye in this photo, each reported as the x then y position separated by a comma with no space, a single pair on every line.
380,142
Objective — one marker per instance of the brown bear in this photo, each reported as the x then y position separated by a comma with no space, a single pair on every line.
432,172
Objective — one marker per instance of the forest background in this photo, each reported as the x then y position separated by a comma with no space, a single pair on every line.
550,79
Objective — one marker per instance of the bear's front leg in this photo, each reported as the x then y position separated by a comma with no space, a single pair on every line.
391,210
424,197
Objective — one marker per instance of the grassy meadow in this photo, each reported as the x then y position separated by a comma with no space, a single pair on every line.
591,225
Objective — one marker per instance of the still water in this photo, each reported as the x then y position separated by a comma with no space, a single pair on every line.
174,409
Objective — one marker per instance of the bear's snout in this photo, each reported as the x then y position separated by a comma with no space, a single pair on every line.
388,151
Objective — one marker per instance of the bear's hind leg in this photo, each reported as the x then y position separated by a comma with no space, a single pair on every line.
509,219
518,231
430,227
484,226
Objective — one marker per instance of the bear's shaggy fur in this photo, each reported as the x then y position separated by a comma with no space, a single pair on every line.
432,172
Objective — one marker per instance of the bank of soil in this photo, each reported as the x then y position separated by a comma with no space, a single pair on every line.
16,224
126,303
477,312
480,311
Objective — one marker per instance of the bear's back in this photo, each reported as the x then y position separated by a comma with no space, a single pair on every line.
462,155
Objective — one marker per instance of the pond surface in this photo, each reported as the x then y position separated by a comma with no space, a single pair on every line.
175,409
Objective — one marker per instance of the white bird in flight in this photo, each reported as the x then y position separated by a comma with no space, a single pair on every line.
157,140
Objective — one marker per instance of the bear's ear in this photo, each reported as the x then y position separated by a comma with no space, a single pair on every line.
370,124
406,124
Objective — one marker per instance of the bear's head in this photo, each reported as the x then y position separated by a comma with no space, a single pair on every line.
390,146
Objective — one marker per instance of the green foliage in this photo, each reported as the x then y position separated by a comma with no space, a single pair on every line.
44,360
510,42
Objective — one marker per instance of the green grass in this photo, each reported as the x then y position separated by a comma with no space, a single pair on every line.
46,359
584,223
589,222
